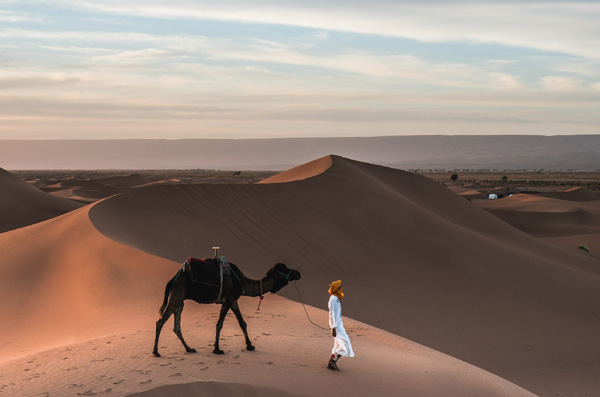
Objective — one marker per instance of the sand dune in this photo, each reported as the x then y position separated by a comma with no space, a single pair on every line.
91,190
415,259
574,194
63,281
79,312
541,216
124,182
22,204
469,193
569,219
81,291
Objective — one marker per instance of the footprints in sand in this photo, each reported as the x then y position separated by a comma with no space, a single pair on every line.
141,371
116,365
93,392
144,373
102,359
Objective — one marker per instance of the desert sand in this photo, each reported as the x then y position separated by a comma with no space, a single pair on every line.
568,219
442,297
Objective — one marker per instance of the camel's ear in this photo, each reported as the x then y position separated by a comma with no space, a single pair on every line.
281,267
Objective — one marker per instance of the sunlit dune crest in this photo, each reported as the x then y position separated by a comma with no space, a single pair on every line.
301,172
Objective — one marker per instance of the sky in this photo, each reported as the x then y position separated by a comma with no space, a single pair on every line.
82,69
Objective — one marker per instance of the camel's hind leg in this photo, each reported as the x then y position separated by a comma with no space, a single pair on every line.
238,314
159,324
177,329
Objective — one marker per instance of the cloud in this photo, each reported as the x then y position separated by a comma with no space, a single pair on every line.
559,83
16,17
132,57
561,26
503,81
157,48
22,82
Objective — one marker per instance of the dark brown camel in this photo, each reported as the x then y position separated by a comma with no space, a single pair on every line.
200,280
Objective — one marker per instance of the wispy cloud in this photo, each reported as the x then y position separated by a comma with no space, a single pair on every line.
560,83
15,17
132,57
402,66
562,26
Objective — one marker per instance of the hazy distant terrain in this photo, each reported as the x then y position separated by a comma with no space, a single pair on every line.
580,152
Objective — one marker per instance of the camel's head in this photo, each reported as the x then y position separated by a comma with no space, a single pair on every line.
282,276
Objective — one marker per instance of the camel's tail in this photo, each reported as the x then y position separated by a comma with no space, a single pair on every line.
166,298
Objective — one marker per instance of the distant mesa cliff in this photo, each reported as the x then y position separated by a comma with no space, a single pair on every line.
408,152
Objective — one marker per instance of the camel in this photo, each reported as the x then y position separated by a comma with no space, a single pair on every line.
213,280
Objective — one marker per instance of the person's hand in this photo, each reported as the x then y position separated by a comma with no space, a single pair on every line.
333,333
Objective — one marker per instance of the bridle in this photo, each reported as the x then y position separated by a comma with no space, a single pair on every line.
287,278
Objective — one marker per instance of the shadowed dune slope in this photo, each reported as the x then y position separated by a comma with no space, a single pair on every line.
22,204
415,259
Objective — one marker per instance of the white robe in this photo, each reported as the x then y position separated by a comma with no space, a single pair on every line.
341,342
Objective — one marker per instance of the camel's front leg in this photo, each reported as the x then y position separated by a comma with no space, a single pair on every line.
224,309
238,314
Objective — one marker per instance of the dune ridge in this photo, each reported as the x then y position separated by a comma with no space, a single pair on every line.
415,258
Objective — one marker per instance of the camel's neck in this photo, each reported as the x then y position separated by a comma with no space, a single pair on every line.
253,287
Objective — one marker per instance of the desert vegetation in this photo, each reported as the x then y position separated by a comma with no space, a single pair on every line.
532,178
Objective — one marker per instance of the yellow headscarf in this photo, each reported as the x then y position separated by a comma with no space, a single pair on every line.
335,288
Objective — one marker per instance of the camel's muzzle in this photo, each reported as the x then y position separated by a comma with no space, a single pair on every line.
295,275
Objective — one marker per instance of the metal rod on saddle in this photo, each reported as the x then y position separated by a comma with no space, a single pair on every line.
216,251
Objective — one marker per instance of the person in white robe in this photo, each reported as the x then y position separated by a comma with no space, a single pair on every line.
341,342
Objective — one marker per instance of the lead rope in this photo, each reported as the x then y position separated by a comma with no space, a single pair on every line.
261,296
296,285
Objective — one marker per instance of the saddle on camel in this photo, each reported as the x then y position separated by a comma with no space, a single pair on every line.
214,280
